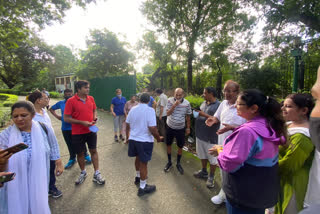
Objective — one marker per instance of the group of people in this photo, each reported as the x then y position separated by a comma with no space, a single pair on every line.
264,149
37,165
267,152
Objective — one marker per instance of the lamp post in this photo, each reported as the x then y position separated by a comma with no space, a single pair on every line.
296,53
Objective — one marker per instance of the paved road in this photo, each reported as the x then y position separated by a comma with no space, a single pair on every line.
175,193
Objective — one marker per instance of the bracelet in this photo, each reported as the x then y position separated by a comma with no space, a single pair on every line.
187,128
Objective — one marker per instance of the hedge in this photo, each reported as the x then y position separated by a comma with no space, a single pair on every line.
4,115
195,101
54,94
8,99
12,91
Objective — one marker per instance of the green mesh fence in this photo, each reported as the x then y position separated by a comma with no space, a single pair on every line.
103,90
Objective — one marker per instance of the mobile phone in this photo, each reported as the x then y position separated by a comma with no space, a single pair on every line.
16,148
8,177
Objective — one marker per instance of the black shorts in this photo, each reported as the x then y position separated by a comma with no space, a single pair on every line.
79,142
141,149
179,134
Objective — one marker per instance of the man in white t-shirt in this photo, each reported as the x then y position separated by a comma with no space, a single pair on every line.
161,111
141,127
227,115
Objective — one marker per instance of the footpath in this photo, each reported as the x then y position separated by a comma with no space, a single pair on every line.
175,193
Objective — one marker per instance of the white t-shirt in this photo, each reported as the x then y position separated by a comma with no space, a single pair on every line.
140,118
163,101
227,114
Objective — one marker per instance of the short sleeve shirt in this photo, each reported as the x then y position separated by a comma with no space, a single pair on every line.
118,105
163,101
177,120
43,118
140,118
151,101
227,114
80,110
61,105
204,132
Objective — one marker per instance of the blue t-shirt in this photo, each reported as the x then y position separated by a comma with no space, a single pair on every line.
61,105
151,101
118,105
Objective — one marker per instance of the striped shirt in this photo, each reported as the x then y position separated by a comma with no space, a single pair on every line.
177,119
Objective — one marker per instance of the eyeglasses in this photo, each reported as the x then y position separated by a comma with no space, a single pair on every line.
44,98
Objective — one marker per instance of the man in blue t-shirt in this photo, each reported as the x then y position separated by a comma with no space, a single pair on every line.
117,110
66,128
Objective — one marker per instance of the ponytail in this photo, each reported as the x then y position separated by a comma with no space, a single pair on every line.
269,108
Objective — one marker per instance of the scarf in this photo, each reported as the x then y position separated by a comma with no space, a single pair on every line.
28,192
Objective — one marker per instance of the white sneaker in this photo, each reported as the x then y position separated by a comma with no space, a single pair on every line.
217,199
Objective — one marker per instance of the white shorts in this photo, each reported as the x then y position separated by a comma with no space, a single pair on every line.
202,151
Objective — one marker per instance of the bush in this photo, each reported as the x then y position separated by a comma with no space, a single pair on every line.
8,99
4,115
12,91
195,101
54,94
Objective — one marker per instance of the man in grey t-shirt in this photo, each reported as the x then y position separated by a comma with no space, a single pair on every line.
206,136
178,112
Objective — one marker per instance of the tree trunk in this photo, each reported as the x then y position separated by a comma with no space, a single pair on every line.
7,82
219,83
189,70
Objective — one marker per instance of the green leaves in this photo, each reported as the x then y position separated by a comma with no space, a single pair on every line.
105,56
187,22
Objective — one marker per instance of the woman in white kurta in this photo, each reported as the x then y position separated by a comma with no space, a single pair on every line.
28,192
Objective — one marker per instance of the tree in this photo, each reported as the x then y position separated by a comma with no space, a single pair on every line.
160,55
256,78
105,56
281,13
148,69
22,65
192,21
16,17
64,62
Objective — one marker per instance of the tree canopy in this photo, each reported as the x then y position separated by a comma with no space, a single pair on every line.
188,22
105,56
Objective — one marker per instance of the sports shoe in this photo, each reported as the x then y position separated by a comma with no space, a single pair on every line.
200,174
116,138
121,137
70,163
81,178
137,180
217,199
180,169
209,182
146,190
98,179
88,159
55,193
168,167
